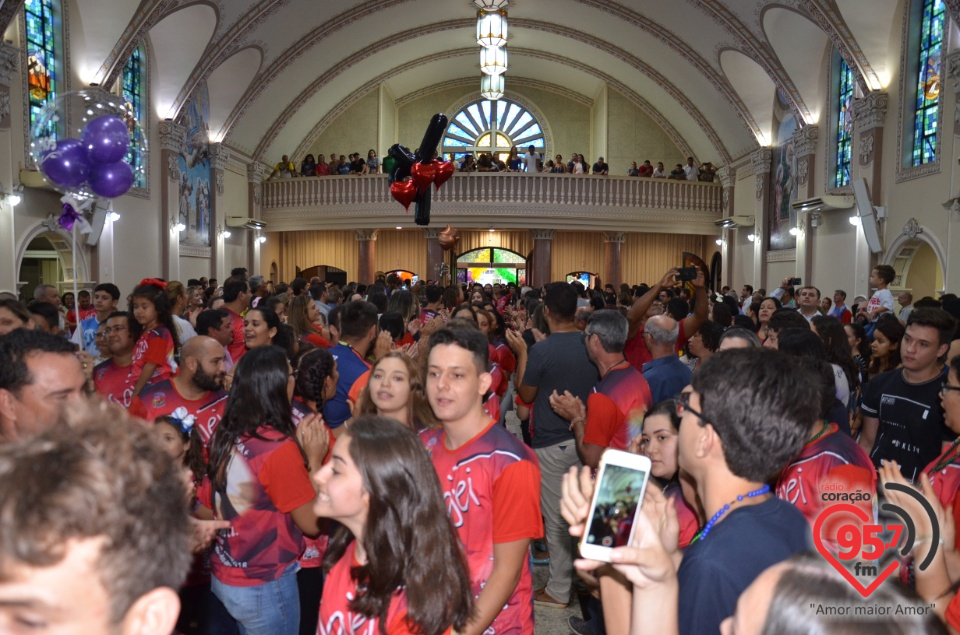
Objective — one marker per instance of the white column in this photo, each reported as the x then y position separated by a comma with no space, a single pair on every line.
172,138
9,64
761,161
219,158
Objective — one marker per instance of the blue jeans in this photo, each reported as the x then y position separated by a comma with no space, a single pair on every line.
272,608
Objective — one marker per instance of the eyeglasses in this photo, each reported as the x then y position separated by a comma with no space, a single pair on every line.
682,402
945,389
114,329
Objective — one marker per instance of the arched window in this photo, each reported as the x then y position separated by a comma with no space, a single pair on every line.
492,127
42,48
930,44
492,265
844,124
132,91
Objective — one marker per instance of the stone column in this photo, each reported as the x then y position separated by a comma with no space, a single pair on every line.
435,254
219,157
728,250
172,137
613,258
868,118
761,161
542,260
367,257
951,274
9,65
804,151
255,172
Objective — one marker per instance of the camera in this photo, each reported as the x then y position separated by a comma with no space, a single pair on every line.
685,274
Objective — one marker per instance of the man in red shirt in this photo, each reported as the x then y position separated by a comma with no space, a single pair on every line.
112,377
236,298
614,412
490,482
197,391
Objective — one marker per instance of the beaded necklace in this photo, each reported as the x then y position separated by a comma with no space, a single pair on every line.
949,457
823,430
703,533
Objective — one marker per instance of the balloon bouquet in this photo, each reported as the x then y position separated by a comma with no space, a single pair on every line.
411,178
86,159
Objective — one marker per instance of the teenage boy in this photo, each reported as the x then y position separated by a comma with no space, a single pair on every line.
882,300
358,330
100,542
105,298
748,415
489,480
236,297
902,414
111,378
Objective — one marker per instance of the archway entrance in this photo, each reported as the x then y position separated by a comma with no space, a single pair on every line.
918,271
327,273
405,275
43,263
585,278
492,265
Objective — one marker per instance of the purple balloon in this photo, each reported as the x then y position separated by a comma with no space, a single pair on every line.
66,165
111,180
106,139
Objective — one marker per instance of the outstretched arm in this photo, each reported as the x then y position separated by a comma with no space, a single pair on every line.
642,304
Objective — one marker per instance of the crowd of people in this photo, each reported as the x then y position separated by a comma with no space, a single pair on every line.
311,458
531,161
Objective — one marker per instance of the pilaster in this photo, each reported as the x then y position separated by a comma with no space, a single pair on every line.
542,268
613,258
219,158
869,115
367,254
172,137
761,160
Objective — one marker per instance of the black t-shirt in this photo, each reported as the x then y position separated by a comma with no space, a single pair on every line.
558,363
911,431
715,571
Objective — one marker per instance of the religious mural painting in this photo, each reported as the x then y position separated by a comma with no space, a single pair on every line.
783,174
194,163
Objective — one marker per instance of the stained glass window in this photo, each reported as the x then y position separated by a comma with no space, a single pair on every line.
42,44
133,72
844,125
492,127
928,82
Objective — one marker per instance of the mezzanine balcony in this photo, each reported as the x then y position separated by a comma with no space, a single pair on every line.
503,200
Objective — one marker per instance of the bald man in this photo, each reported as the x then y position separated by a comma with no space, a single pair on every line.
195,396
665,373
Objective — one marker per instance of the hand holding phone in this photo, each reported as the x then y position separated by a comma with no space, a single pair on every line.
686,274
621,482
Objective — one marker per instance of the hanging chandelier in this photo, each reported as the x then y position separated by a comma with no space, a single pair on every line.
491,28
490,5
493,61
491,86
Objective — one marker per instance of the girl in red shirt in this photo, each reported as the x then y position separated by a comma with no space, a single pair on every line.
157,347
395,565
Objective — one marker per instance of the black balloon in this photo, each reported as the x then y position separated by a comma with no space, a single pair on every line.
431,138
405,161
422,214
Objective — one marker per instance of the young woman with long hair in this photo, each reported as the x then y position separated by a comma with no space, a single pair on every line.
395,564
153,330
396,390
768,306
859,347
885,349
303,318
259,480
262,327
837,351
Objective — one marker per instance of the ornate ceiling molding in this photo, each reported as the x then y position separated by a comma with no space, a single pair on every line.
760,52
828,17
8,11
145,18
343,104
515,80
678,44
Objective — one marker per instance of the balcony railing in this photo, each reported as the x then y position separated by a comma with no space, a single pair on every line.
518,200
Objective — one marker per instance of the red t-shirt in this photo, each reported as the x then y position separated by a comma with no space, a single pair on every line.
339,589
266,480
238,346
113,382
616,408
833,464
946,483
687,517
154,347
162,398
491,486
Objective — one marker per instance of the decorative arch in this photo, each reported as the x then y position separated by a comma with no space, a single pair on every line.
62,242
913,234
513,97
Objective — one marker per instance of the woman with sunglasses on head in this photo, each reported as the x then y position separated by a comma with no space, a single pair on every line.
394,565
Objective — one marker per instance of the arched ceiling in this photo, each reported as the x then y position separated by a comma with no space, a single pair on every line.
708,70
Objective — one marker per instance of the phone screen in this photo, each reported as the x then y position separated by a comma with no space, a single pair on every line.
617,501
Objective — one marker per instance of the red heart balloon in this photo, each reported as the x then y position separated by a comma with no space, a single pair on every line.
423,174
832,559
404,192
445,170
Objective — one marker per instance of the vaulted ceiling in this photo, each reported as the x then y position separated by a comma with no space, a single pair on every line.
278,69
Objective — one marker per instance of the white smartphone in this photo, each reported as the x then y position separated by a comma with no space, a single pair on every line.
621,482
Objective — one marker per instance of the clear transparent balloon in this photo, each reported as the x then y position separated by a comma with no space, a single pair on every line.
86,165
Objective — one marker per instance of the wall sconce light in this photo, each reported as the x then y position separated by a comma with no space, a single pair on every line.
720,241
262,239
12,198
751,237
178,227
223,233
113,216
854,220
794,231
